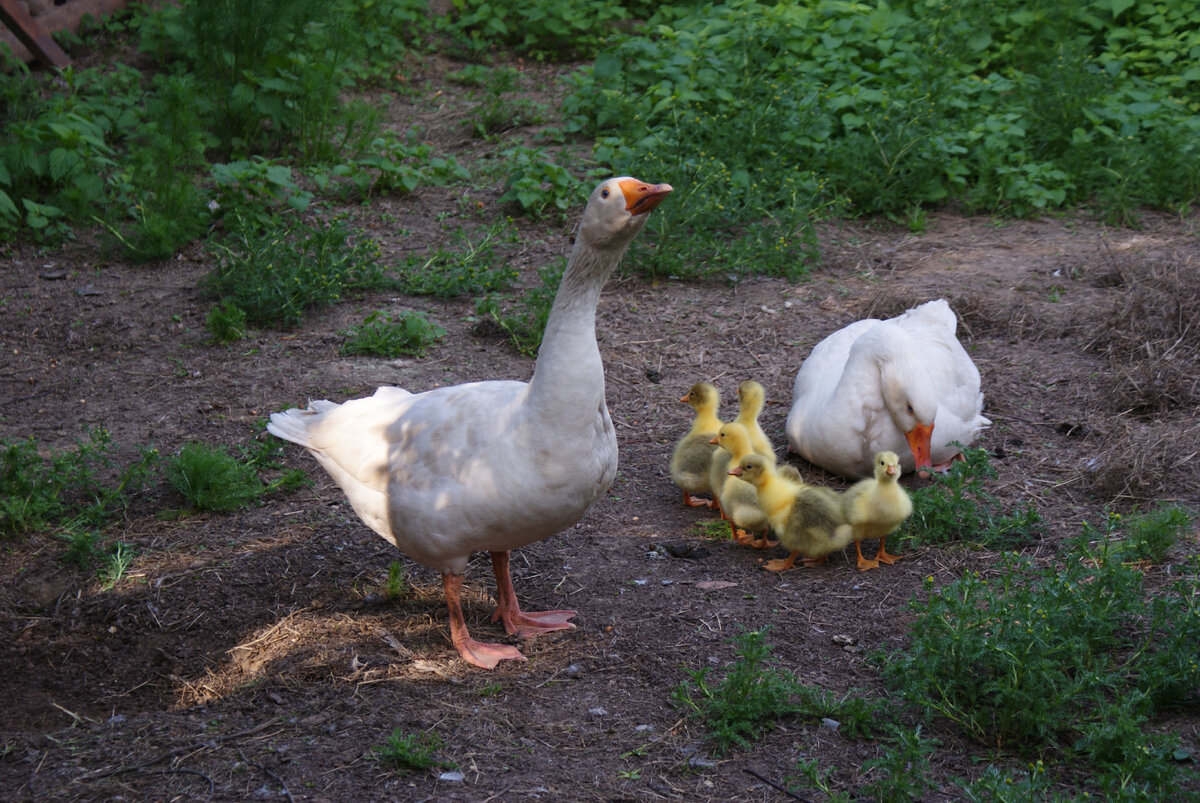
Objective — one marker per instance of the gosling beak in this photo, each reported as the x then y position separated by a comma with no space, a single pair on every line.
641,197
716,439
919,438
684,398
735,471
892,470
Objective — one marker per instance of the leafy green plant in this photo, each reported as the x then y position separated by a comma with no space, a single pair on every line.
474,267
386,164
211,480
546,31
1062,657
382,335
526,326
115,564
410,752
1150,535
226,322
539,185
83,487
275,278
902,772
254,194
753,695
957,506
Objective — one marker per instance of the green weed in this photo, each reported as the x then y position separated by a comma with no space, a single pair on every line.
83,487
1149,536
226,322
166,207
275,278
474,267
408,753
753,695
386,164
557,30
957,507
115,564
1075,657
83,546
382,335
396,584
526,326
211,480
539,185
903,771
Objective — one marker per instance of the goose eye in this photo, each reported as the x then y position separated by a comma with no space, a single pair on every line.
910,410
604,193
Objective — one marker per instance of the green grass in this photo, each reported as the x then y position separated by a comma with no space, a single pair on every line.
410,752
477,264
382,335
211,480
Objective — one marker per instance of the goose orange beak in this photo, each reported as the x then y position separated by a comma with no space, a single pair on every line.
919,438
641,197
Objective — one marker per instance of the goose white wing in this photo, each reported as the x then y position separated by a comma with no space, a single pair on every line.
454,470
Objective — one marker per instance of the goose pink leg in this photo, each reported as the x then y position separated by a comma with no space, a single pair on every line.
477,653
517,622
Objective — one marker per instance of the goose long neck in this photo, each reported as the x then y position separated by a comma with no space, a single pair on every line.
569,373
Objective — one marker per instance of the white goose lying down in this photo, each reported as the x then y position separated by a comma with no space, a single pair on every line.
491,465
904,385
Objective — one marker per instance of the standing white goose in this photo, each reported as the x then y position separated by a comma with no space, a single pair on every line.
490,466
904,385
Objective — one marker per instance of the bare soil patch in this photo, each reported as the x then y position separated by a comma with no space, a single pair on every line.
250,653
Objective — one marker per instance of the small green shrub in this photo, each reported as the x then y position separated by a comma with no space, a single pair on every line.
407,753
1075,658
382,335
539,185
956,506
68,488
753,695
226,322
275,278
903,771
211,480
1148,536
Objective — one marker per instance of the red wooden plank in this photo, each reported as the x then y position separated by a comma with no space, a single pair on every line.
40,44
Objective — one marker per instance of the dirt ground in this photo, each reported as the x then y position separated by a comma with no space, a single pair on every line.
253,655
